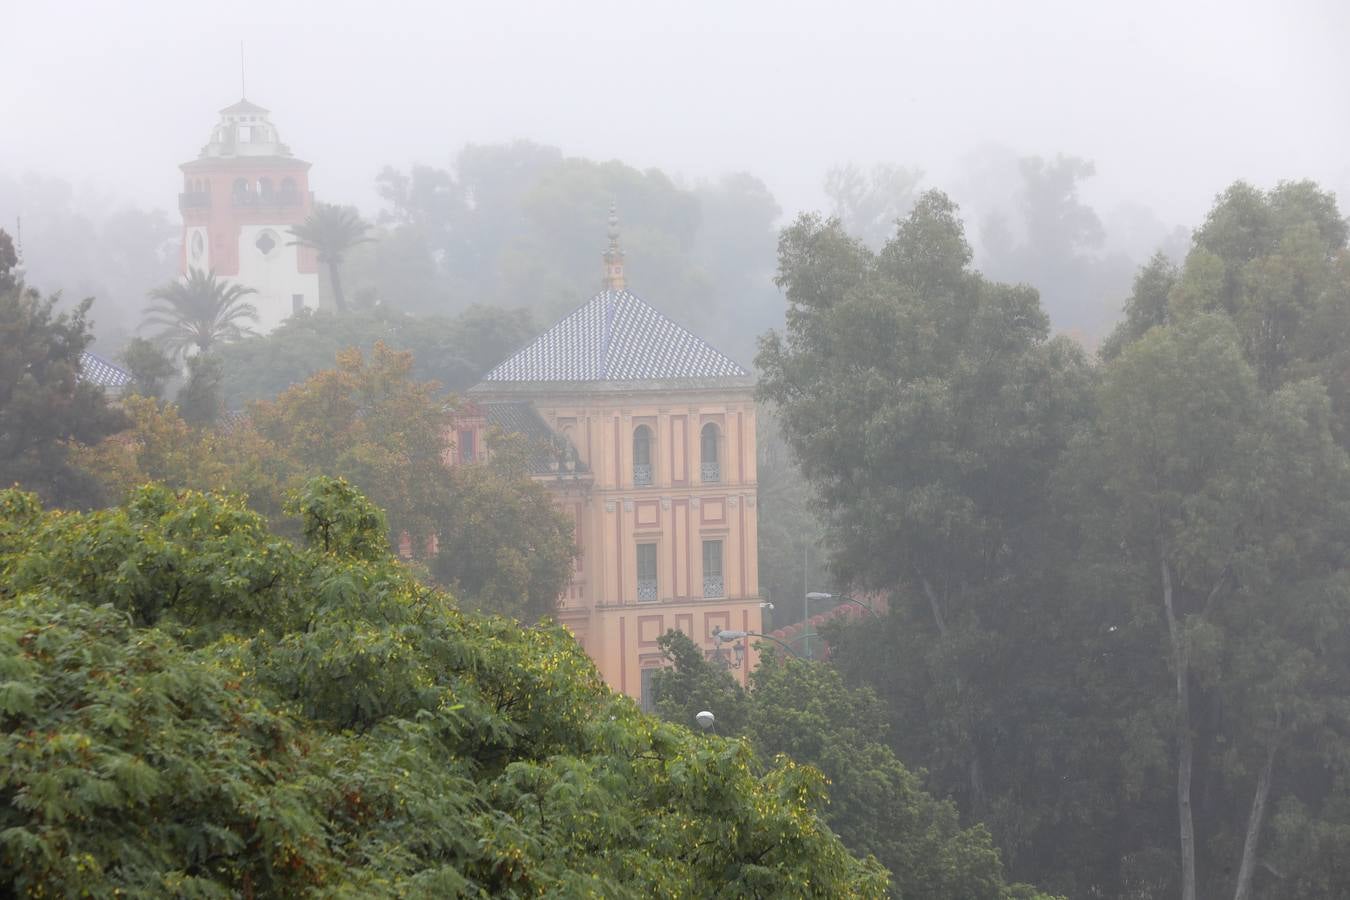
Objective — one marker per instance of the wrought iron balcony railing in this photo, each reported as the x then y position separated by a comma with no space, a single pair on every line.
713,586
710,472
642,475
646,590
279,198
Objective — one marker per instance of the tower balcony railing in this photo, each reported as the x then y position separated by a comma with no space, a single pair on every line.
194,200
714,587
279,198
710,472
642,475
646,590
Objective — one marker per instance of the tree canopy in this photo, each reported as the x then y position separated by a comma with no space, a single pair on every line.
1119,594
453,351
200,313
192,705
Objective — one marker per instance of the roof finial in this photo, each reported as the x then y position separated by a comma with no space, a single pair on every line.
614,280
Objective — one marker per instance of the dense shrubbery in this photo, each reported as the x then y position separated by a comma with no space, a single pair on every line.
194,706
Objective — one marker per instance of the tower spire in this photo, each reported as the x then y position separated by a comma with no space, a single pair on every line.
614,280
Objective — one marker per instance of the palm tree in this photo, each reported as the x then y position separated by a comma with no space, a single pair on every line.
332,230
200,311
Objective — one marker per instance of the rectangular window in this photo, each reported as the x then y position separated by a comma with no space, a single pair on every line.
646,573
649,688
713,583
297,302
466,445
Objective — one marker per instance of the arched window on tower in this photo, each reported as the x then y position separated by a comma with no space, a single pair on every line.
642,456
241,192
265,188
710,468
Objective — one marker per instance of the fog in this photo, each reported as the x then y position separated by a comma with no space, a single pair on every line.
1169,102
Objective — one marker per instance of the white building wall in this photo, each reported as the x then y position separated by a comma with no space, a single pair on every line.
274,275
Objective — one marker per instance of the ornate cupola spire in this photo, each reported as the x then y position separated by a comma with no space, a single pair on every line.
614,280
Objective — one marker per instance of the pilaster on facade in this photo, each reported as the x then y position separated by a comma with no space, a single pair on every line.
663,426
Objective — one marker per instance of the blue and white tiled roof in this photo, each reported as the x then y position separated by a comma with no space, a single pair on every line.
94,369
614,337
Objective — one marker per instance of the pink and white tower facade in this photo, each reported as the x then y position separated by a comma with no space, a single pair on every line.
241,196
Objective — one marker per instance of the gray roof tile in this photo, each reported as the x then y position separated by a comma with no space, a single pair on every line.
97,370
615,336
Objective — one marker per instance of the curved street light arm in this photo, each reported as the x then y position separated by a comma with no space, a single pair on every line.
727,636
821,595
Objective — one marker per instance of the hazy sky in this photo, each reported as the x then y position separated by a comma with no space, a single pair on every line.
1172,100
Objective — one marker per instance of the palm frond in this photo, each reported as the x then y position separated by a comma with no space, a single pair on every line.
201,310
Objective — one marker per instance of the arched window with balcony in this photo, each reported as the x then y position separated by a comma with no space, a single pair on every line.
642,456
710,462
265,187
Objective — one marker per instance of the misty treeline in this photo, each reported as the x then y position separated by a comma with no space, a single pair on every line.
1120,623
520,226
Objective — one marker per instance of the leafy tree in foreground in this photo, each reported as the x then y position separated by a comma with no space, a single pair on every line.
200,312
332,231
192,706
44,403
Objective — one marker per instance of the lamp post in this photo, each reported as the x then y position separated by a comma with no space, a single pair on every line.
726,637
821,595
806,619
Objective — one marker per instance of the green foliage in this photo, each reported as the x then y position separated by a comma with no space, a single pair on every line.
803,710
367,421
200,312
503,546
336,519
927,408
149,366
1119,597
332,231
1223,511
199,399
44,404
285,721
453,352
692,684
523,224
9,261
